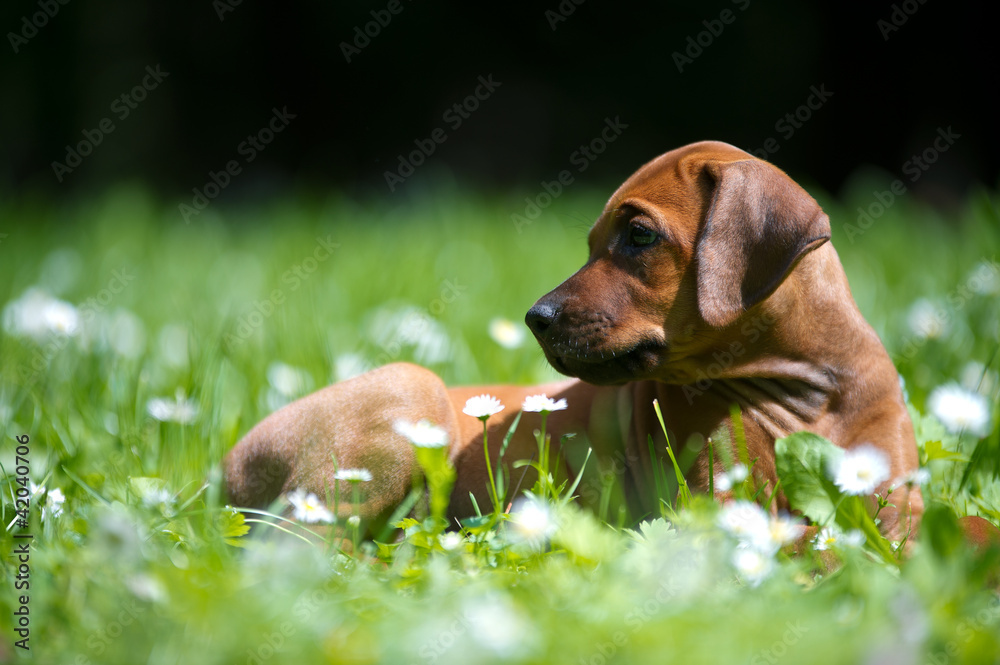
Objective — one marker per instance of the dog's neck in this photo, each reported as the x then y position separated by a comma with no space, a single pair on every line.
791,360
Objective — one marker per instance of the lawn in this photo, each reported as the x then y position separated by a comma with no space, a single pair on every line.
136,350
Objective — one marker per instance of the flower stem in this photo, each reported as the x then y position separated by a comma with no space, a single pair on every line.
543,456
489,469
836,509
356,491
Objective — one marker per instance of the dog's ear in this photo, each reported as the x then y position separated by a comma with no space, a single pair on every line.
758,225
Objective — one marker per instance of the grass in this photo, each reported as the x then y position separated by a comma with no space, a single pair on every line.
144,564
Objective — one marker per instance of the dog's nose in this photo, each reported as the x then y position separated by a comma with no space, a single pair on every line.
540,317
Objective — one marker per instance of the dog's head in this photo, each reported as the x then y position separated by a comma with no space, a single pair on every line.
684,250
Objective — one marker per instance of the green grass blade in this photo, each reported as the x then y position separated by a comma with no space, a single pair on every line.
90,490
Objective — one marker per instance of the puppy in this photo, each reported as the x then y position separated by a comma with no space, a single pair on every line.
710,283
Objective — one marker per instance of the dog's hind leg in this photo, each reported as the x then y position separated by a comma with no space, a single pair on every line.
349,425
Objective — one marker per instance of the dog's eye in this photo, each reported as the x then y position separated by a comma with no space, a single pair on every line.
640,236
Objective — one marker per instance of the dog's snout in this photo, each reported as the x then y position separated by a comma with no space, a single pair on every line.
541,316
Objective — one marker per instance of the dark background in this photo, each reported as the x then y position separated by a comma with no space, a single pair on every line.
606,60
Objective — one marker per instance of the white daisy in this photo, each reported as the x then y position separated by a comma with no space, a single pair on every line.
285,384
826,538
429,338
861,470
53,505
308,507
506,333
451,541
146,587
722,482
288,380
178,410
407,327
960,410
915,478
726,480
984,278
61,318
738,473
782,530
482,406
499,629
745,520
927,320
350,365
976,377
423,434
532,521
158,497
36,314
752,566
353,475
543,404
830,537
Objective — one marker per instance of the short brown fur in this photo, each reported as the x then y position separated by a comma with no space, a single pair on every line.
741,300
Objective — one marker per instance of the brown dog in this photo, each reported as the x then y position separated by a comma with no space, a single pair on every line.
710,283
